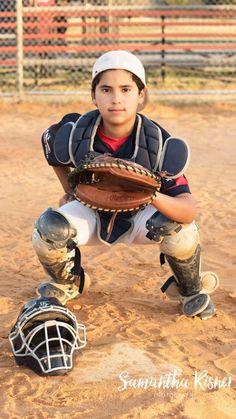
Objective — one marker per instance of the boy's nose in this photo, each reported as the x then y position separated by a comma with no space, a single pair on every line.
116,97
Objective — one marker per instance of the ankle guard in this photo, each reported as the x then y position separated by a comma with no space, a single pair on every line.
209,283
187,273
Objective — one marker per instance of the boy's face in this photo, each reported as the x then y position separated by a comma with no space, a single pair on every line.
117,98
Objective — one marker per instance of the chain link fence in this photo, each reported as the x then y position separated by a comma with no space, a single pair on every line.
49,46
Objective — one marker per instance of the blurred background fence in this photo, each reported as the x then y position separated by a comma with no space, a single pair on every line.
49,46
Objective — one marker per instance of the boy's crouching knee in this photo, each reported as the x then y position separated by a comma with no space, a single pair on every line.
52,235
182,244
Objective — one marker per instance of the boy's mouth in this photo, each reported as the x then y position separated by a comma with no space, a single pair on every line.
116,110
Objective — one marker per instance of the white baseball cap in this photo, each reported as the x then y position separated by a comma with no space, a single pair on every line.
123,60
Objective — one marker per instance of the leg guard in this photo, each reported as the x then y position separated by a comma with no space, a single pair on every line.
57,251
180,246
187,276
186,269
187,273
192,289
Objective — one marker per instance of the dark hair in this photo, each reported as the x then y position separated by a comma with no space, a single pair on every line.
135,78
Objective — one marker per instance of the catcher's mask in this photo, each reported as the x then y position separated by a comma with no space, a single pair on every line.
45,337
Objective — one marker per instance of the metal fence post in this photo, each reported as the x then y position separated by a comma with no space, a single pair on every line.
163,41
19,40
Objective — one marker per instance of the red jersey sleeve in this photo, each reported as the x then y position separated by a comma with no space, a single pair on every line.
174,187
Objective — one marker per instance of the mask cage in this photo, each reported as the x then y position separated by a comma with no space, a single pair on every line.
51,343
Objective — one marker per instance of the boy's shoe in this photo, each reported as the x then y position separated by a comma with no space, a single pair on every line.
209,311
199,305
63,292
196,305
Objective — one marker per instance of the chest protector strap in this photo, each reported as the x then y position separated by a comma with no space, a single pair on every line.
75,140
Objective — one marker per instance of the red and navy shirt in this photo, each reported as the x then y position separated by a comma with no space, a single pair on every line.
104,144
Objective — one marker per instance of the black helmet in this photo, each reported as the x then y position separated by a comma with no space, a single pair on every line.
45,336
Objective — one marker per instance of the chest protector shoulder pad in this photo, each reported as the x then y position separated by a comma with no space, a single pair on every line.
74,140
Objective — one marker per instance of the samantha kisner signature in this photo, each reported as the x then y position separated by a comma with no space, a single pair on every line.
201,380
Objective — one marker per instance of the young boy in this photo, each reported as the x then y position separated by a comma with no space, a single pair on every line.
119,92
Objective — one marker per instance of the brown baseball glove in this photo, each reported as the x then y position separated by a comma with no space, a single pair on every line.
111,184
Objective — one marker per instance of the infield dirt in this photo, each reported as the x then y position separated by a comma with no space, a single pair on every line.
133,330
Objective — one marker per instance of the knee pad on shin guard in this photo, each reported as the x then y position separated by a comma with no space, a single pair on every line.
159,226
55,229
57,251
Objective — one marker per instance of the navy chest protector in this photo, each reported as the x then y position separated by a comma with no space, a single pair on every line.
75,140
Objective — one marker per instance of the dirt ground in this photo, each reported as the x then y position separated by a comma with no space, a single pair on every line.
133,331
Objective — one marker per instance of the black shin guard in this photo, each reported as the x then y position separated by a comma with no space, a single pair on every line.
187,273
